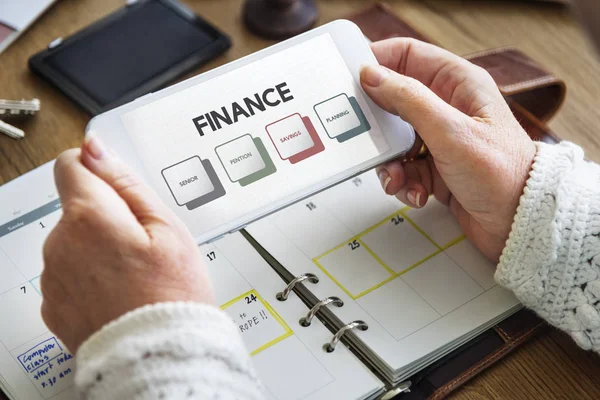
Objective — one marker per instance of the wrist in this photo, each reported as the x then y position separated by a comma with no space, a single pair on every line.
501,198
521,174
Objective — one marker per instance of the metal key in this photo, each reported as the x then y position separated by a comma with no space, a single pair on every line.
10,108
19,107
11,131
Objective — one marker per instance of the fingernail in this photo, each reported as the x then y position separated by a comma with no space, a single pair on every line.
372,75
384,178
414,197
95,147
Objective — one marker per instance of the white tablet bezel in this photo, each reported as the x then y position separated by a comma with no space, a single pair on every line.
355,51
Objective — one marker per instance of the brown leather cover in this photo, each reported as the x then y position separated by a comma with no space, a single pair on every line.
525,84
441,378
536,129
534,95
520,78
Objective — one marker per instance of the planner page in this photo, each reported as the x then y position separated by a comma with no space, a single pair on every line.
34,364
289,358
409,273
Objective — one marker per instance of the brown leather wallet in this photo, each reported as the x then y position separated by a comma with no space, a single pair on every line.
521,79
534,95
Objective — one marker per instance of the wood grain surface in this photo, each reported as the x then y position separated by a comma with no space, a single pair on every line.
549,367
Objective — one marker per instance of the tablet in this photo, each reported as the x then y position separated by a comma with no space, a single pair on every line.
236,143
137,49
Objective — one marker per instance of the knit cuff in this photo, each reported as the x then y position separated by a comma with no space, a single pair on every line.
523,254
183,349
158,317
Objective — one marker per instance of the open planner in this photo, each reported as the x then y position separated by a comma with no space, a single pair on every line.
342,295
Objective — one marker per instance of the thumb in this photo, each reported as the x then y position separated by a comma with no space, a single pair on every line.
415,103
143,202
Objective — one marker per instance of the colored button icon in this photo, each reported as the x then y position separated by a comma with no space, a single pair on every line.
342,117
193,182
295,138
245,159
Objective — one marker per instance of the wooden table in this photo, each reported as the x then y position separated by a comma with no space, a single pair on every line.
549,367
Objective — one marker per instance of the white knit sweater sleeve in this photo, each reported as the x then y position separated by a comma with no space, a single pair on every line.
167,351
552,257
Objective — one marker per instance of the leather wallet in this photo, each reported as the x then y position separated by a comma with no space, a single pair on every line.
534,96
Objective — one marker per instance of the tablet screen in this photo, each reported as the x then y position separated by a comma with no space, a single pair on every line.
234,144
110,62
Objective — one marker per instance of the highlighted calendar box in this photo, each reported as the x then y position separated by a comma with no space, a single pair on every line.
355,268
258,323
390,242
378,255
437,222
341,117
48,365
245,159
295,138
193,182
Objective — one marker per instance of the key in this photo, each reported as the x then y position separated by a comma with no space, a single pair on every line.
11,131
19,107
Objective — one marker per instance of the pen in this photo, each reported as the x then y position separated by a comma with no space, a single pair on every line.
11,131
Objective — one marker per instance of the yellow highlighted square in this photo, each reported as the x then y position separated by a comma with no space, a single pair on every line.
359,266
355,267
258,323
399,244
437,222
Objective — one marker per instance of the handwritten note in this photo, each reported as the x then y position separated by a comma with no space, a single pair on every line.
49,366
257,322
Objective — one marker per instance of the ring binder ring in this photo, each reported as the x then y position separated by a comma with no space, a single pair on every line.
283,295
403,387
336,301
358,324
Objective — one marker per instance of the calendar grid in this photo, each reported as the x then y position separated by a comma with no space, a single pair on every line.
376,257
35,282
392,274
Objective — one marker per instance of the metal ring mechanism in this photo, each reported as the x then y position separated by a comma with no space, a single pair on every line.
403,387
358,324
336,301
283,295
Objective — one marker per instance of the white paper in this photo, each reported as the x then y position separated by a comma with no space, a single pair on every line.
32,360
18,14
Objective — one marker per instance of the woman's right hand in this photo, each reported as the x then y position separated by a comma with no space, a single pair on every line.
116,248
480,155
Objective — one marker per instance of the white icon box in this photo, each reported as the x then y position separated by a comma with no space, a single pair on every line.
342,117
240,157
290,136
193,182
